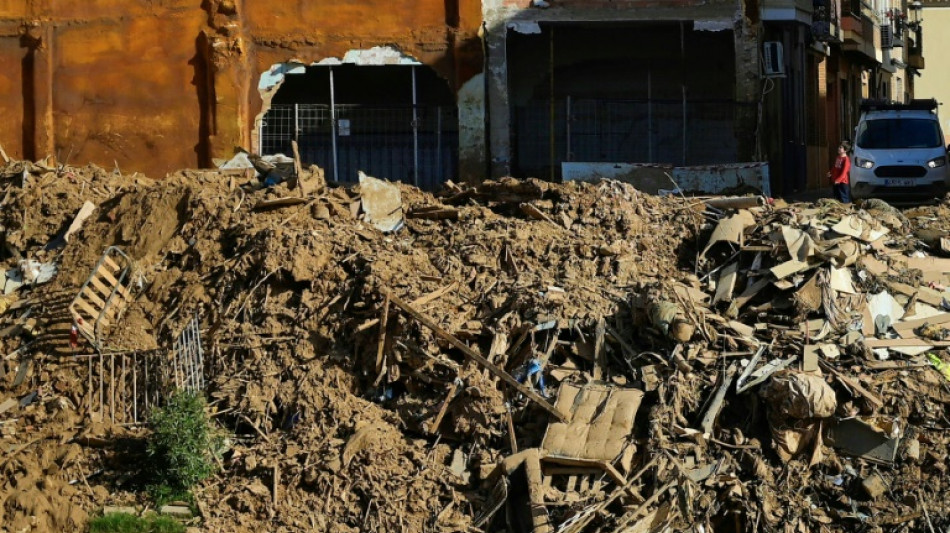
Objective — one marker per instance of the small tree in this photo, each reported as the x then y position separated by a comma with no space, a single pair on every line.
182,441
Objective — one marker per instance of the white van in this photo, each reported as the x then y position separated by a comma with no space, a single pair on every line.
899,151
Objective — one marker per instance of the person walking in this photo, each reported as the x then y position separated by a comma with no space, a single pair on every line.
840,174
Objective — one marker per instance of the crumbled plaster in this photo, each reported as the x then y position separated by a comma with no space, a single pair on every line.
713,25
377,55
525,26
274,76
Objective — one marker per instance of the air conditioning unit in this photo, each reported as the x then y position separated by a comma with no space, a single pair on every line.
887,37
773,61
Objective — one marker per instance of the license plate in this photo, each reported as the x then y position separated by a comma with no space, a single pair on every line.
898,182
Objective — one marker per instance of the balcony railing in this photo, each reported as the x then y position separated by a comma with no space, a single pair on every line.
856,8
826,23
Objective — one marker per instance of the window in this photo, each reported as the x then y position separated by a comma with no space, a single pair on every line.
899,133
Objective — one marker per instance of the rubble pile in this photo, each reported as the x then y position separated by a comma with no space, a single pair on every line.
511,356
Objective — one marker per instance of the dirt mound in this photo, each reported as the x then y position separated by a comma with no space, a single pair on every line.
405,381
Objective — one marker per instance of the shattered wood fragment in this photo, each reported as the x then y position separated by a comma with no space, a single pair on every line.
853,385
418,302
540,520
472,354
716,404
434,213
534,212
600,359
449,396
580,524
381,342
727,283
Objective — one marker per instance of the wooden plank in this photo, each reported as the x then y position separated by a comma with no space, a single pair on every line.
445,407
474,355
716,405
104,291
114,282
900,343
727,283
91,310
850,382
924,294
586,519
381,341
906,328
418,302
112,264
93,297
600,357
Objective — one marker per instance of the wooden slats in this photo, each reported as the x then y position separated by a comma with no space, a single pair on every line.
101,300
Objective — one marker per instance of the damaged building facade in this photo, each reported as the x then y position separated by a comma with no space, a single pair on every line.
423,92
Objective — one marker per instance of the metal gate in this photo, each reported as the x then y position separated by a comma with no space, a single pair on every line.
593,130
413,144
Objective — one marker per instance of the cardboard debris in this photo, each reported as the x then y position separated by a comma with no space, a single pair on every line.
859,228
800,244
730,230
859,438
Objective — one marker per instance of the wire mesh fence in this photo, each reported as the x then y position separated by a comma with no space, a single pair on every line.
385,142
189,359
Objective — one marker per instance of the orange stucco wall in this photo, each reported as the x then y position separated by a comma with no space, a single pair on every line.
157,85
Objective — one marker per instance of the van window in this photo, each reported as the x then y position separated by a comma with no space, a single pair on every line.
892,133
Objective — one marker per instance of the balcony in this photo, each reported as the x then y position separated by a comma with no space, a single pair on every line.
915,57
788,10
857,9
861,36
825,26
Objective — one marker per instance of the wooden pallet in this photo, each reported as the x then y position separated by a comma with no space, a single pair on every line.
103,297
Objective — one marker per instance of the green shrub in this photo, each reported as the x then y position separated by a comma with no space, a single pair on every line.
128,523
182,441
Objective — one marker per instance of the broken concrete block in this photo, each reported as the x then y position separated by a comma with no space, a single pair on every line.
913,450
874,486
177,511
116,509
382,203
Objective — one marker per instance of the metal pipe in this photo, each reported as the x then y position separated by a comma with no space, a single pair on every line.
296,122
685,133
112,388
567,126
336,176
415,131
135,389
683,82
649,115
551,148
438,143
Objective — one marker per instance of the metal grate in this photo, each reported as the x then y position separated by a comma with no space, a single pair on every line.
629,131
384,142
189,360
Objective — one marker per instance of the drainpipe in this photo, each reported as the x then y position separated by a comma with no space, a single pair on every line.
336,175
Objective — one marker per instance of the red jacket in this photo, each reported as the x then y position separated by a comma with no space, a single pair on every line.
841,170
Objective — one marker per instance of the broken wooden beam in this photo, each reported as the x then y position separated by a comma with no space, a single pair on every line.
434,212
854,385
475,356
716,405
418,302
